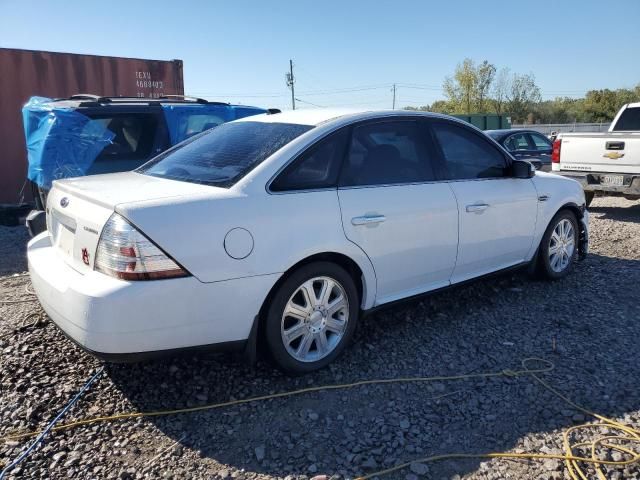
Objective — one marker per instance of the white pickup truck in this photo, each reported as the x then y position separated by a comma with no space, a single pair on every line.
604,163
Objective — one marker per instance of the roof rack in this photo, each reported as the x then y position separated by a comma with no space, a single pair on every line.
91,100
189,98
183,97
89,96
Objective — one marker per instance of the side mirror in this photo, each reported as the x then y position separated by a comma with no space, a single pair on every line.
522,169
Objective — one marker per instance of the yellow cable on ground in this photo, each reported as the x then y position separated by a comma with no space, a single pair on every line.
576,465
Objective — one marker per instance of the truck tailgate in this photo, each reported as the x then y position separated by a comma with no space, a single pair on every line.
604,152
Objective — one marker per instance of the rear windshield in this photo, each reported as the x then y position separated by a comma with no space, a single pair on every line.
629,120
222,156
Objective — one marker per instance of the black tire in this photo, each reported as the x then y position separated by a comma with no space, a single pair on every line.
274,313
588,196
544,266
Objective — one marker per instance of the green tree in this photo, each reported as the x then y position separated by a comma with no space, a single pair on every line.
461,89
485,74
480,88
522,96
500,90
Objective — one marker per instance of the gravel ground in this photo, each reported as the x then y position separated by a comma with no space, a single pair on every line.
587,324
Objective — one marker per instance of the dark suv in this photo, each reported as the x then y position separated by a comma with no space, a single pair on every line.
88,135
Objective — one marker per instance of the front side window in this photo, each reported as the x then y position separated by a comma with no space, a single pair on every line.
517,142
387,153
223,155
468,155
316,168
541,142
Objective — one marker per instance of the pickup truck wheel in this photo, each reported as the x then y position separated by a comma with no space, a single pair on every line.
312,317
559,246
588,196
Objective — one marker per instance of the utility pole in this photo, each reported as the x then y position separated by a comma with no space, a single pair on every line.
394,96
290,84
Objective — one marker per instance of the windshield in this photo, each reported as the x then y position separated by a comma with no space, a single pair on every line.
225,154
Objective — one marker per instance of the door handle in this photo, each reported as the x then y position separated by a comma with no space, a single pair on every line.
477,207
368,220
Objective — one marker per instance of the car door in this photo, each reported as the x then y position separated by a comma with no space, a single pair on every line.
497,213
542,149
394,208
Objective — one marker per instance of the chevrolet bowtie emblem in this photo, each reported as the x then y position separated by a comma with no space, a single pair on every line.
613,155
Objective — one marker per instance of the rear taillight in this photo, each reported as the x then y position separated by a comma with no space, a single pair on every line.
555,153
125,253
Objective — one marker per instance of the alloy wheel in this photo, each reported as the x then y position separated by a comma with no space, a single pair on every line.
315,319
561,245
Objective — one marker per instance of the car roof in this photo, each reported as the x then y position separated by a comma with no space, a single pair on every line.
500,134
321,116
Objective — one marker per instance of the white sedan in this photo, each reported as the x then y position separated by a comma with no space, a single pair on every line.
285,228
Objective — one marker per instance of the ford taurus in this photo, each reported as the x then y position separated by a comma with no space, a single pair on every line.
283,229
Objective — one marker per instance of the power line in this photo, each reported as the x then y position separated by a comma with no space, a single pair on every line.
309,103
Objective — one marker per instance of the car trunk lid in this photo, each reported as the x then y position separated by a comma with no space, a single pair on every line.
77,209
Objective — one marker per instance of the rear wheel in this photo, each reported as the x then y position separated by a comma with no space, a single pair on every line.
588,196
312,317
559,246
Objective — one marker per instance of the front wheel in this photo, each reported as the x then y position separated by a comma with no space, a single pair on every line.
559,246
312,317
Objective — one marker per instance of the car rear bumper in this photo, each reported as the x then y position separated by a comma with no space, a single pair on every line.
120,320
591,182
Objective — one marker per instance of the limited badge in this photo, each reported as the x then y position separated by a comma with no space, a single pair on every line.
85,256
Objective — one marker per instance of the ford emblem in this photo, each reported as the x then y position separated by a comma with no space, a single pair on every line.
64,201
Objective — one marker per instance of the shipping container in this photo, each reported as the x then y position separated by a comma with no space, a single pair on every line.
27,73
487,121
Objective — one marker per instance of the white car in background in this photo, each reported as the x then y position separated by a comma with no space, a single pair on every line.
284,228
603,163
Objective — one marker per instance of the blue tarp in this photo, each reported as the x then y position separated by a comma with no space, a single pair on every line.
180,118
64,143
61,142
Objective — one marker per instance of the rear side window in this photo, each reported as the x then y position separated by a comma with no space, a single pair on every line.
629,120
318,167
468,155
541,142
387,153
134,135
223,155
516,142
199,123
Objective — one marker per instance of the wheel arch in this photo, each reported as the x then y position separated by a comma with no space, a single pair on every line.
583,230
361,275
579,212
349,264
571,206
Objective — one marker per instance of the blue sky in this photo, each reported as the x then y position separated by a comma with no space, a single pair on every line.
239,51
